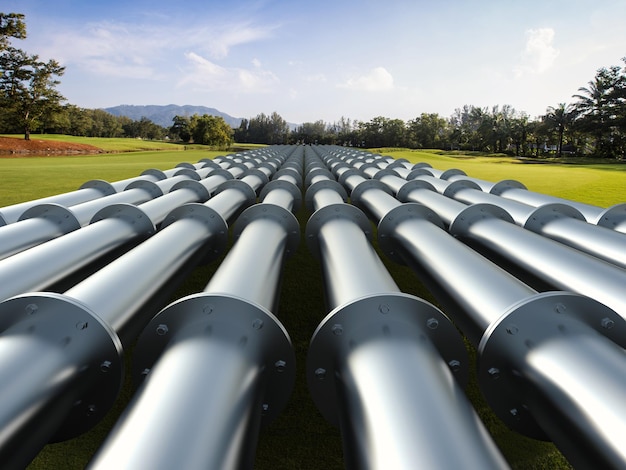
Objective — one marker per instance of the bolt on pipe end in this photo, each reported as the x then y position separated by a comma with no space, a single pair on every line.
523,327
377,317
331,212
61,216
93,349
393,218
255,331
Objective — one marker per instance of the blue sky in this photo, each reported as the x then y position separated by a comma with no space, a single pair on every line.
324,59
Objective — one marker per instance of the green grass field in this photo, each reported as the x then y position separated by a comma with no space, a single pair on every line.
300,438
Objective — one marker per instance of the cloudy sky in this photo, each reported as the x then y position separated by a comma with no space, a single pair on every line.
324,59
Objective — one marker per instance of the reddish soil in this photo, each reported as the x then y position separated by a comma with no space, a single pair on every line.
14,147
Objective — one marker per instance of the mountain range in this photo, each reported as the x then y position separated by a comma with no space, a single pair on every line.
163,114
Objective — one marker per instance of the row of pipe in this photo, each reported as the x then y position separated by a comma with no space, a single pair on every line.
61,364
537,352
388,368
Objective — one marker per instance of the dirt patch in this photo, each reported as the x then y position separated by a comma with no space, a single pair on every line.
15,147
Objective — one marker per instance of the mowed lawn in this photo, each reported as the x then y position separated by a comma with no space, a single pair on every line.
300,438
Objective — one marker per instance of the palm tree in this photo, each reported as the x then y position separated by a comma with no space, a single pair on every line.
559,118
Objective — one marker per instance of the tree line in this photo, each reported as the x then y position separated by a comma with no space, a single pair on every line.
593,124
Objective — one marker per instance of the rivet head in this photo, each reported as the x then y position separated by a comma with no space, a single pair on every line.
257,324
432,323
82,325
31,308
560,308
105,366
162,329
607,323
383,308
337,329
280,365
455,365
264,409
145,372
494,373
512,329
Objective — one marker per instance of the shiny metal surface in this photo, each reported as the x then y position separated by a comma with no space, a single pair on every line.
219,361
372,364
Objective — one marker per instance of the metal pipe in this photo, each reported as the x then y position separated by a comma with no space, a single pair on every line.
381,362
88,191
559,222
531,256
112,227
91,322
517,331
220,363
613,217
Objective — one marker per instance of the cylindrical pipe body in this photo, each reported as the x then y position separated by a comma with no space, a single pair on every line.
342,243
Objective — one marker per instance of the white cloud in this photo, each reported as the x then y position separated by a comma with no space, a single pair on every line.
218,40
204,75
378,79
539,54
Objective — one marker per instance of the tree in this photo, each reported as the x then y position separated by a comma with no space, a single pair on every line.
11,26
559,119
27,85
601,110
181,128
212,130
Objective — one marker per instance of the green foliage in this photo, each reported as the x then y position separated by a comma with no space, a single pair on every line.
27,85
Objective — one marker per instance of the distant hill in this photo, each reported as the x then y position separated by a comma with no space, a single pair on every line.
163,115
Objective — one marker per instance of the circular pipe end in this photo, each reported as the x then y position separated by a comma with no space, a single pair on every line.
214,222
458,185
393,218
93,349
309,196
273,212
131,214
104,187
403,193
195,186
255,331
522,327
363,186
501,186
377,317
331,212
548,212
463,221
152,188
60,215
612,217
286,185
155,172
